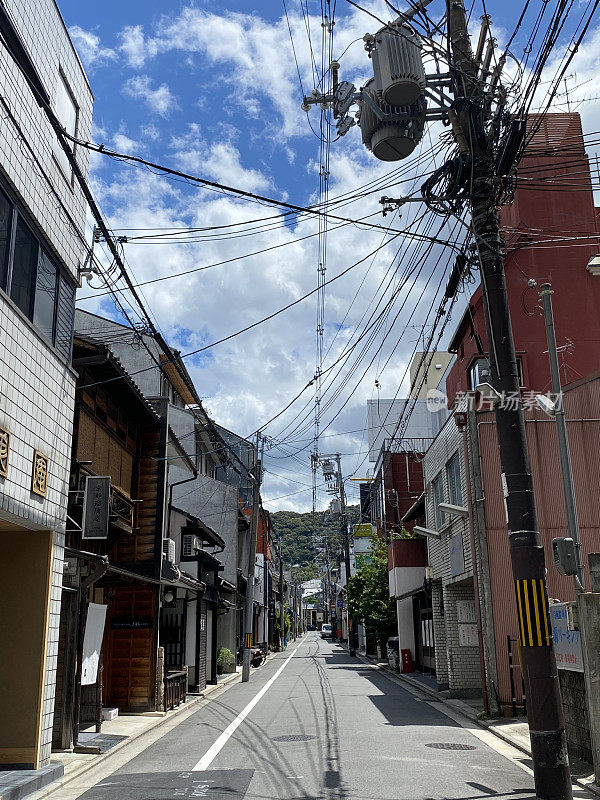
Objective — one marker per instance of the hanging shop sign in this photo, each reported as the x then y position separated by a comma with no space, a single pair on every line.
96,504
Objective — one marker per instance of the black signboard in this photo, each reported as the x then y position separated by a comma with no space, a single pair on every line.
96,501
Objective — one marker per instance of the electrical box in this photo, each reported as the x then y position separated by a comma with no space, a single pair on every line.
572,616
564,555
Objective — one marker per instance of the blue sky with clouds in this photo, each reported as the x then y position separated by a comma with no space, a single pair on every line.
213,90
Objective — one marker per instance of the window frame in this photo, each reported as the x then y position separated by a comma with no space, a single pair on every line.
452,483
57,152
438,514
18,212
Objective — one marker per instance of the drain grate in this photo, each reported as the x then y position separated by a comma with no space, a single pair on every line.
294,737
449,746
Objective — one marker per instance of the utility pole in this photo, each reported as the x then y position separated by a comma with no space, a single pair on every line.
563,440
346,546
249,612
544,706
281,607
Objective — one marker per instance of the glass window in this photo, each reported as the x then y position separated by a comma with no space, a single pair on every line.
25,259
66,111
5,226
454,487
438,497
45,297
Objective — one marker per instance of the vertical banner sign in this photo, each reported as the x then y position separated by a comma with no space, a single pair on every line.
92,643
96,501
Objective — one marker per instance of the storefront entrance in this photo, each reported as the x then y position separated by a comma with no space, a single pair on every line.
25,578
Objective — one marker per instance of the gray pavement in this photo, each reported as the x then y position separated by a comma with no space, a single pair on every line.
325,727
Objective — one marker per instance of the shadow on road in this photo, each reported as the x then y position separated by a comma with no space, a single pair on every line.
398,706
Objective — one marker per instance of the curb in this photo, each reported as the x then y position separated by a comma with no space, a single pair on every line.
91,763
584,783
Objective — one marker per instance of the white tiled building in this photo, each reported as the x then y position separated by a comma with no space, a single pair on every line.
453,597
42,217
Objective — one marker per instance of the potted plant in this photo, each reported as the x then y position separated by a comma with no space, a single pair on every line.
225,660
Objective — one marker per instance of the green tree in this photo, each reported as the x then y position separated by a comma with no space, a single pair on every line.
297,535
369,595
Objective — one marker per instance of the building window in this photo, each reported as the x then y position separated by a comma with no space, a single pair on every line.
438,497
66,111
454,487
22,282
44,310
5,228
33,281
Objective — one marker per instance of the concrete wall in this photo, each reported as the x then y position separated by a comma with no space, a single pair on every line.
135,360
577,724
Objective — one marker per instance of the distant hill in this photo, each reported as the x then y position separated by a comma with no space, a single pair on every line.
297,532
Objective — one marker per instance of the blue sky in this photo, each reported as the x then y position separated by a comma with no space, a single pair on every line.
213,90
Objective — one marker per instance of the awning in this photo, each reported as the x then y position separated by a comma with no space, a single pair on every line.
226,586
209,561
172,576
199,528
416,510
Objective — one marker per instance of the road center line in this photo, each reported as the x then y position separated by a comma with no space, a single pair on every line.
216,748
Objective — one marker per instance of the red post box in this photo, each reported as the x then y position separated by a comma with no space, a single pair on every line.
407,662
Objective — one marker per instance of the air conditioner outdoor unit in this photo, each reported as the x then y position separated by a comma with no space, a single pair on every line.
190,545
168,549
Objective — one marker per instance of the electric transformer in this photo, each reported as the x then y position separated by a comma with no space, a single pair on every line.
397,65
391,133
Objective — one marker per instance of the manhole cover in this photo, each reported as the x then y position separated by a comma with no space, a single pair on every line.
449,746
294,737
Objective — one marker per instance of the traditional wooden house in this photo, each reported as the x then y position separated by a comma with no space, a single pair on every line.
117,571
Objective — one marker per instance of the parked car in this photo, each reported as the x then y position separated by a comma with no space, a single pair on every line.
311,627
326,631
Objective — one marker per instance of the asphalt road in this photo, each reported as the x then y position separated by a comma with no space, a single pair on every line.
318,725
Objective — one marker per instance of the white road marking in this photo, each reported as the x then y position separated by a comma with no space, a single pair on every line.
216,748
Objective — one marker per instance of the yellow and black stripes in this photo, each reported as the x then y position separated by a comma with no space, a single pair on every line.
248,640
532,607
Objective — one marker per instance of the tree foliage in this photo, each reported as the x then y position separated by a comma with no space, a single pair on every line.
368,593
296,531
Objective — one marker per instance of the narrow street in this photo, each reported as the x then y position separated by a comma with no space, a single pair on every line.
312,724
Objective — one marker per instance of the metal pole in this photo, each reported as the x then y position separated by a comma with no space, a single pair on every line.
281,606
346,545
561,431
295,615
249,611
545,712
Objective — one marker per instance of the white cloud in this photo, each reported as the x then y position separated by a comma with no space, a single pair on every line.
124,144
133,45
160,100
150,132
254,56
89,48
